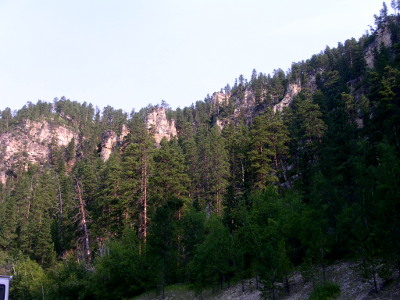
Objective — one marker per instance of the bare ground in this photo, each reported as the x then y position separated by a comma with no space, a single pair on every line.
352,287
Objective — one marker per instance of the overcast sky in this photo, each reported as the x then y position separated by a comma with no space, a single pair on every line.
130,53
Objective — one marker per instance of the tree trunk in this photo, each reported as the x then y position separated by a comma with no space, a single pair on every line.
84,222
257,287
61,212
287,284
273,291
30,197
143,221
375,282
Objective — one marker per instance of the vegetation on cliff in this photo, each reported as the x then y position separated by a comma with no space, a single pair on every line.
242,190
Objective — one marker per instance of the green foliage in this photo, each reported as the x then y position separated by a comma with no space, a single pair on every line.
122,270
267,193
163,244
211,261
29,281
170,178
267,146
212,168
69,279
325,291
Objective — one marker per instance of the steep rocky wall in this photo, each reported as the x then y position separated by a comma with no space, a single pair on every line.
382,37
108,141
159,126
292,91
245,106
220,98
30,143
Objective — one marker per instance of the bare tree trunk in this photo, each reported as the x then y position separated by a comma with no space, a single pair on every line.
28,209
257,287
218,204
143,218
287,284
145,202
273,291
243,177
375,282
61,212
84,222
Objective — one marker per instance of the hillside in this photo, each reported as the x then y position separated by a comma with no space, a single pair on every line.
351,285
282,173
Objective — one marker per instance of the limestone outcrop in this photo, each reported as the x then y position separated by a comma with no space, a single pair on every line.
382,37
159,126
292,91
31,143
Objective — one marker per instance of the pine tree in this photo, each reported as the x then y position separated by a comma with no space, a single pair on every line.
269,138
163,242
137,169
212,167
169,179
110,203
210,264
237,145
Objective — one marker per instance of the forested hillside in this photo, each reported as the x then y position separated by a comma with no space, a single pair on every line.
280,172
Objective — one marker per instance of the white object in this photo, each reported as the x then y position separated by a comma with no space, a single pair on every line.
4,287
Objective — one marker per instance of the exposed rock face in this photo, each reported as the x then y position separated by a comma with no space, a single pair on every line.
159,126
110,139
220,98
383,36
245,106
108,142
292,91
31,143
156,122
221,123
124,132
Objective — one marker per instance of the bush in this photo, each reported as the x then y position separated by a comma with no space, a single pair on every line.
325,291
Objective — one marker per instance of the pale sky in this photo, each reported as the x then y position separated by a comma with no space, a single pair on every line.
130,53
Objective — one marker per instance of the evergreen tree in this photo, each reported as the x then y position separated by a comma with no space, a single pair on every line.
212,167
137,169
163,242
169,179
110,203
211,262
269,138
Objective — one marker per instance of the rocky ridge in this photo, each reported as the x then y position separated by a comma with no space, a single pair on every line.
159,126
30,143
383,37
292,91
110,140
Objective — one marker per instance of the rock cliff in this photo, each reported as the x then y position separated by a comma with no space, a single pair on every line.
382,37
31,143
110,140
159,126
220,98
156,122
292,91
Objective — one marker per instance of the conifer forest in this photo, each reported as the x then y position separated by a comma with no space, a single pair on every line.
293,170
